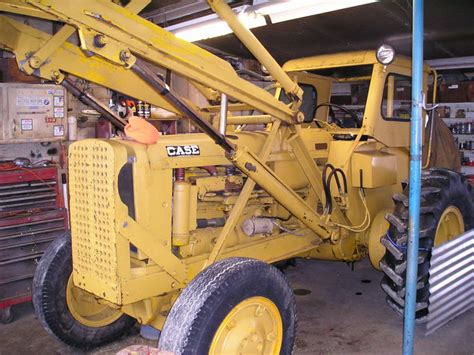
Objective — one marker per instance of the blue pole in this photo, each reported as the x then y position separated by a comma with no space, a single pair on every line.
415,178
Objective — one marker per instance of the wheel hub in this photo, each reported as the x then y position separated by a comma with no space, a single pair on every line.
254,326
86,309
450,225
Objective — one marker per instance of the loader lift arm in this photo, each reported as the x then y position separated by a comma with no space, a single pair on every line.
115,41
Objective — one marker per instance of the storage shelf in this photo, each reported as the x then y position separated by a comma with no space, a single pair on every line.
448,119
468,108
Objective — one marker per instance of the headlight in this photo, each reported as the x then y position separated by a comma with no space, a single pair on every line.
385,54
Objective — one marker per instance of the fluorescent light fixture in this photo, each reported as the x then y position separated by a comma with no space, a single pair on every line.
280,11
254,16
211,26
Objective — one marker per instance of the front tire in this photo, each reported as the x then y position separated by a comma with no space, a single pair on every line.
447,210
237,305
70,314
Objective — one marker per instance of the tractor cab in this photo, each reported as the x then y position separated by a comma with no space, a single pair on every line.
357,94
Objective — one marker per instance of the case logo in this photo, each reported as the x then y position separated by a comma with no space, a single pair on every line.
182,150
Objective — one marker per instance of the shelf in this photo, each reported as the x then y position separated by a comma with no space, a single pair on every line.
457,119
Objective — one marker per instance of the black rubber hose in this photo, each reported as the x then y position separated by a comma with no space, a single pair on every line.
344,179
327,191
332,174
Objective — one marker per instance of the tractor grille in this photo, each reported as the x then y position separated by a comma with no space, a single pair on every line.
92,204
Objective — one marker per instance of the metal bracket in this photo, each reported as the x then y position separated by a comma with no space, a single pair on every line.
423,104
41,55
106,47
157,252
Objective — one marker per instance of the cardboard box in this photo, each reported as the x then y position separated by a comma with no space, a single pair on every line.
454,92
443,112
470,91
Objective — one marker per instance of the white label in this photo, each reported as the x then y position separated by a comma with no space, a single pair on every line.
182,150
58,101
28,101
454,86
58,131
26,124
59,112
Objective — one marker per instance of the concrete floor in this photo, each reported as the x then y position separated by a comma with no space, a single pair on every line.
345,313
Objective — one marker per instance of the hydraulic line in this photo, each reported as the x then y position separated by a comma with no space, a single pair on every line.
94,103
327,185
365,223
153,80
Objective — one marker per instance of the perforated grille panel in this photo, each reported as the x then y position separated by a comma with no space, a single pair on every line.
92,193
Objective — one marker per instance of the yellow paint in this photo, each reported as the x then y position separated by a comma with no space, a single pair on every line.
136,256
254,326
85,308
450,226
373,168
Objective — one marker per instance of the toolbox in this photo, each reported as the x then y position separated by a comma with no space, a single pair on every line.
32,214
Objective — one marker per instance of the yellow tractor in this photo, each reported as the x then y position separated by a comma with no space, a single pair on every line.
181,234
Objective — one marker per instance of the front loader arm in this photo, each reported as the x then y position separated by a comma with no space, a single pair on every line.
116,44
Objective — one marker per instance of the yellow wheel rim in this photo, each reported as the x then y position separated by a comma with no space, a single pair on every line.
254,326
85,308
450,225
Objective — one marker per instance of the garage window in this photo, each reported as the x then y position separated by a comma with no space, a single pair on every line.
396,102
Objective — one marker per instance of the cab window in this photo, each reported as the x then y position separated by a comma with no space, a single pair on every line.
396,102
309,102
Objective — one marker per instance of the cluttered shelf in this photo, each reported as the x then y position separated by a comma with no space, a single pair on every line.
459,117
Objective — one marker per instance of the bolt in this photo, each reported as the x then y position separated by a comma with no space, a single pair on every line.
231,324
300,117
125,224
271,336
35,62
56,75
100,41
125,56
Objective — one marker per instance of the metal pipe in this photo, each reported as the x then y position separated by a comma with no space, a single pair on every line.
256,48
223,117
415,178
252,119
94,103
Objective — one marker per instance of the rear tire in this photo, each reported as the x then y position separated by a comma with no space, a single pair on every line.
442,191
235,305
50,301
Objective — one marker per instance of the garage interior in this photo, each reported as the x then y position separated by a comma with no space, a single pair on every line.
103,148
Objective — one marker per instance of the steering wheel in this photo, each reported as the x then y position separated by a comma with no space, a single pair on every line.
353,122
